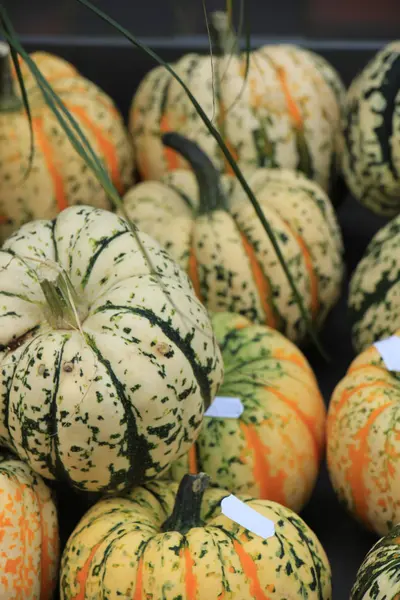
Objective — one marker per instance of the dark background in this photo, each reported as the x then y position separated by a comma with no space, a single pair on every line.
347,33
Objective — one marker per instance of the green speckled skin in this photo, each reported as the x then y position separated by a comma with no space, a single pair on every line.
371,154
118,551
374,293
144,365
379,575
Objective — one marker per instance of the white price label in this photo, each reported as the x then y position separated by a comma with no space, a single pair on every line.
242,514
224,407
389,349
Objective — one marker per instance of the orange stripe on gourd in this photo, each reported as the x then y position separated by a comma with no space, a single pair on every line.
250,570
271,486
192,457
47,151
107,148
261,282
360,459
171,157
191,584
193,272
82,574
292,107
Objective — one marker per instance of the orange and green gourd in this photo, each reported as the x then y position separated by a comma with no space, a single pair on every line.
103,380
371,151
208,225
279,106
58,177
378,575
159,541
29,538
273,450
363,442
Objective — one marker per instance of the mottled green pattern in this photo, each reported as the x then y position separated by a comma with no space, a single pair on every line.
116,402
371,157
374,293
119,536
379,575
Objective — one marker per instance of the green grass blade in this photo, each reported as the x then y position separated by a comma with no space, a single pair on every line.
235,168
6,26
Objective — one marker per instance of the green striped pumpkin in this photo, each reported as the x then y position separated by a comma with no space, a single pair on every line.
105,373
378,576
274,449
160,542
374,292
280,107
209,227
371,155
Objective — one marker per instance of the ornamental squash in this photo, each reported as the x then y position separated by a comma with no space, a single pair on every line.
378,576
161,542
363,442
371,154
273,450
374,291
281,106
29,542
59,176
214,233
108,360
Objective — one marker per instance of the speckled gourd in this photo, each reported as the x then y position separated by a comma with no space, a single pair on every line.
59,177
108,360
161,542
374,291
29,539
273,450
363,442
378,576
207,224
371,153
280,107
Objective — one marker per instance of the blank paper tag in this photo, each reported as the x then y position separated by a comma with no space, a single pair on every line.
247,517
389,349
225,407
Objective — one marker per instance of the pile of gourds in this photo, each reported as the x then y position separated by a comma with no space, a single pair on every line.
150,355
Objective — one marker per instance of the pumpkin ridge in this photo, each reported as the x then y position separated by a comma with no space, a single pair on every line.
308,422
347,393
317,569
262,284
358,459
47,151
250,570
107,148
199,371
271,486
102,245
135,442
193,272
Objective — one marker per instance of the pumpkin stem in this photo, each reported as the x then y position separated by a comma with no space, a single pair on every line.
187,508
223,36
9,101
65,310
211,196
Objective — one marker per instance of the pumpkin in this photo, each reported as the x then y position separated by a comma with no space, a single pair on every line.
378,576
59,177
210,228
374,303
159,541
371,153
108,360
29,542
273,450
281,106
363,442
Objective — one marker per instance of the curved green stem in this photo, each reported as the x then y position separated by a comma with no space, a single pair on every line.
187,509
211,196
9,101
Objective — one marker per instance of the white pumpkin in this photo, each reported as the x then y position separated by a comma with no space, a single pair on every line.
110,390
